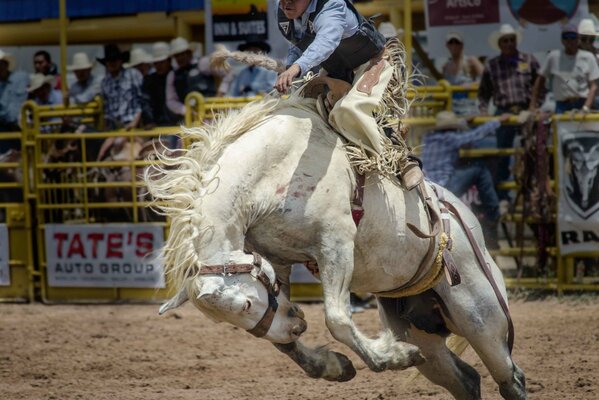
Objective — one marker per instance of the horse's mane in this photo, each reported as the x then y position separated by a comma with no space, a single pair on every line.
178,183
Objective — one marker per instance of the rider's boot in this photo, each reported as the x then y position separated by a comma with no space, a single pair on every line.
411,173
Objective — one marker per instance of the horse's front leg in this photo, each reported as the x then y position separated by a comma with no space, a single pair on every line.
336,264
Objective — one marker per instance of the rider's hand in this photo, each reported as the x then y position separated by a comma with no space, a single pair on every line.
286,78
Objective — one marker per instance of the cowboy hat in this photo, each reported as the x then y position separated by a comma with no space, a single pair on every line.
179,45
388,30
504,30
138,56
454,36
160,51
9,58
586,27
447,120
80,61
112,53
254,42
36,81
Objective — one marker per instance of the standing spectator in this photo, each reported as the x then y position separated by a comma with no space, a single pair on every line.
121,90
188,77
460,69
42,63
588,36
154,88
508,79
572,75
87,86
13,92
253,80
440,154
141,61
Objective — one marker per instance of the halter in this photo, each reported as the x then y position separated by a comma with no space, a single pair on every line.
272,289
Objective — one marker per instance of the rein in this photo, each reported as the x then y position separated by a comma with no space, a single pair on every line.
272,288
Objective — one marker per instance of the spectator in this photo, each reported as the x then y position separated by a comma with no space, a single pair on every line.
188,77
42,63
87,86
121,90
588,36
141,61
440,154
508,79
253,80
572,75
13,92
154,87
460,69
41,91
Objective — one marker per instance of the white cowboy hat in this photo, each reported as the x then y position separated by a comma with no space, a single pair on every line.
388,30
80,61
586,26
138,56
504,30
179,45
447,120
454,35
36,81
160,51
9,58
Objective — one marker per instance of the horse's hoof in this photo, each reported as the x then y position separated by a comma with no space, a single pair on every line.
349,371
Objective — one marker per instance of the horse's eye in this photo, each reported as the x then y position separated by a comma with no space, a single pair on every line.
247,305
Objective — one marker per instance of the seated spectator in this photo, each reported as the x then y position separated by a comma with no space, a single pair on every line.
460,69
572,75
41,91
141,61
42,64
440,154
154,88
13,92
121,90
87,86
188,77
252,80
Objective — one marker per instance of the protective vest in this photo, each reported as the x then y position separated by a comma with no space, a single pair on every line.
352,52
190,79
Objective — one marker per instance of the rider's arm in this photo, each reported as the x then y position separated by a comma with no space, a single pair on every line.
477,133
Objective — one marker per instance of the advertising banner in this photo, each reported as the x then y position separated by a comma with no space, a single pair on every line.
539,22
234,20
4,256
578,207
111,255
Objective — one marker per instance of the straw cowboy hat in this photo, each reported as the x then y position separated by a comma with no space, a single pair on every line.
36,81
160,51
179,45
505,30
586,27
80,61
138,56
112,53
9,58
447,120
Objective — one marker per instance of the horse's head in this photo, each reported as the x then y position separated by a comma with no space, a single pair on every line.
244,292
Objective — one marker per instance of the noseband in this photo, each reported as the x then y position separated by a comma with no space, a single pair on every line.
272,289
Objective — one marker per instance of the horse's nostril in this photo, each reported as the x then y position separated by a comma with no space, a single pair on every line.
297,330
299,312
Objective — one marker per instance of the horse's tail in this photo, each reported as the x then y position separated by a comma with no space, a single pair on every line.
218,59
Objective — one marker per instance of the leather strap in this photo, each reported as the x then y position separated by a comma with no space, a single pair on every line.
486,270
451,270
371,77
435,220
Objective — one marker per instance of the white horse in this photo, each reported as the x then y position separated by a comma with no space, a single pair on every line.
275,179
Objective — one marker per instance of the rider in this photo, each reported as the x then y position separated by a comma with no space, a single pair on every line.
333,35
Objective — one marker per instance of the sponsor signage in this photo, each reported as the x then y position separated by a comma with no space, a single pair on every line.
462,12
4,256
235,20
104,256
578,209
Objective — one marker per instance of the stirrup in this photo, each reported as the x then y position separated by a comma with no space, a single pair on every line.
411,175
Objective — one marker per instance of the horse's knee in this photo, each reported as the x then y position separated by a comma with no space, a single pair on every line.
337,321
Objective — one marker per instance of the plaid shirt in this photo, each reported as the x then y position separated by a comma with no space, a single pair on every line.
509,81
122,97
442,150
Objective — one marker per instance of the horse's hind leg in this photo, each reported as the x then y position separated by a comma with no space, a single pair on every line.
442,366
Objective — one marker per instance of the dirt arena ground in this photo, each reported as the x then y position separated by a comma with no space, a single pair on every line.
123,352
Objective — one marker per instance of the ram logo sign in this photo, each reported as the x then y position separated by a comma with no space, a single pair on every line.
581,161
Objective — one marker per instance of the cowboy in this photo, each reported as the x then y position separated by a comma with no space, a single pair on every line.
572,74
42,63
333,35
141,61
440,154
252,80
40,90
154,87
188,77
121,90
459,69
87,86
508,79
13,93
588,36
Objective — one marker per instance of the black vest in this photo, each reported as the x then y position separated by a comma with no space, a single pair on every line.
352,52
190,79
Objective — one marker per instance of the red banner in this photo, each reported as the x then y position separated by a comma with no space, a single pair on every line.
462,12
